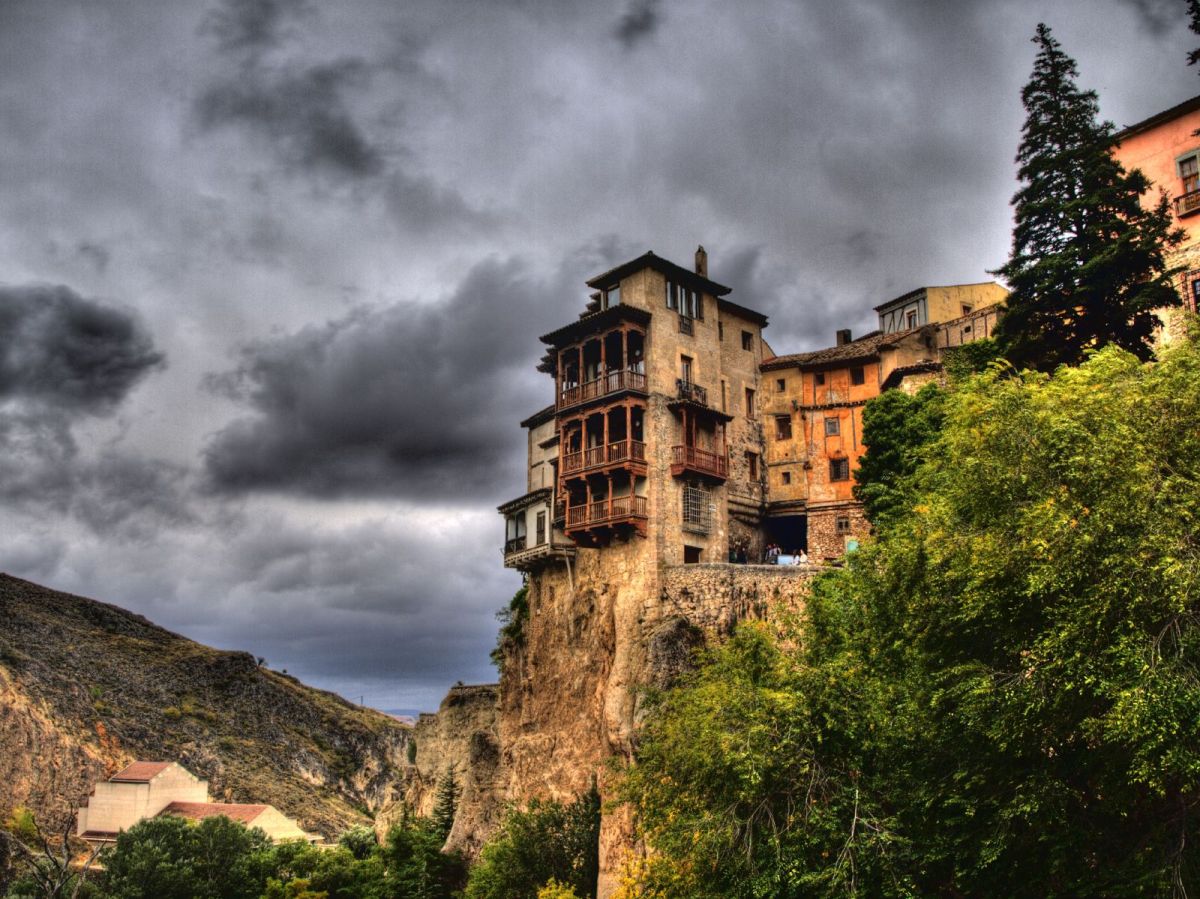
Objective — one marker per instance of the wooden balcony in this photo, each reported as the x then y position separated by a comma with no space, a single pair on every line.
607,513
610,383
1187,204
619,453
686,460
525,556
690,392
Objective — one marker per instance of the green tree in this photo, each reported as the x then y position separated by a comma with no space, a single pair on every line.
897,430
416,866
170,858
547,841
1087,262
359,841
445,802
999,696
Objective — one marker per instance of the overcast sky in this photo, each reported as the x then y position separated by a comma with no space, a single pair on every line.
272,272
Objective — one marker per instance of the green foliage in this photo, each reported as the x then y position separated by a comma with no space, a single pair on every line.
1087,265
970,359
359,841
999,696
897,431
1193,7
555,890
445,802
512,627
417,868
170,858
547,842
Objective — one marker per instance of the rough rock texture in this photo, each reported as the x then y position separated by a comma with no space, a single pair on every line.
461,737
86,687
597,634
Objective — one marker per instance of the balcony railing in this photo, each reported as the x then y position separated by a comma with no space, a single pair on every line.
686,325
606,511
1188,203
612,382
692,392
515,545
693,458
597,456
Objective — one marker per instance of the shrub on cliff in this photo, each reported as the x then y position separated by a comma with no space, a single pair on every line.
999,696
512,627
547,842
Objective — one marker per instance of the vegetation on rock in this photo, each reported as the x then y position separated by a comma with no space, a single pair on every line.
546,846
512,627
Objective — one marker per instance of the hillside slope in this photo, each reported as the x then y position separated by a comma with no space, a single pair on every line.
86,687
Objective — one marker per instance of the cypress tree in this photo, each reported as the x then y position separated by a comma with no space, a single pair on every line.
445,802
1087,266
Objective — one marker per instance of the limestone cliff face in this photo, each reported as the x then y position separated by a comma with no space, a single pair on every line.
461,737
87,687
569,699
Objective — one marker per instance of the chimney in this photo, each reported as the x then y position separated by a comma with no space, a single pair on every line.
843,337
701,262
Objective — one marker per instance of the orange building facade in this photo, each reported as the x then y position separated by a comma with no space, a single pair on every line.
1167,149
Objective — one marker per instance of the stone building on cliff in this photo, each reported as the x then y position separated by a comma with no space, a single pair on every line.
677,441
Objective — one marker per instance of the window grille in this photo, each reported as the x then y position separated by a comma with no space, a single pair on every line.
695,508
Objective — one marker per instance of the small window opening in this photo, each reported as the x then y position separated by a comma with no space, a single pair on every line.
747,340
833,427
857,375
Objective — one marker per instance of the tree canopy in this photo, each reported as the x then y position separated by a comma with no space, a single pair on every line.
1087,265
998,696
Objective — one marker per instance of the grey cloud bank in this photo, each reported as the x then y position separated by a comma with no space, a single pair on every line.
302,256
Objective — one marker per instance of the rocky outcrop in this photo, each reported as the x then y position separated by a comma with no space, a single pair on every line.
460,740
86,687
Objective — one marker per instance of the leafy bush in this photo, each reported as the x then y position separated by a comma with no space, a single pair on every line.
999,696
512,627
548,841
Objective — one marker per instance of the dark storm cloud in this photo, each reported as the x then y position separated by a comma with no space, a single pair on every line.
62,350
1158,16
251,25
641,20
301,112
413,399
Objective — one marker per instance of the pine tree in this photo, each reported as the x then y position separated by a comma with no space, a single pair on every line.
445,802
1087,266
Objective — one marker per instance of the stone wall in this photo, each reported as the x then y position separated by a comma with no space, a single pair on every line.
825,543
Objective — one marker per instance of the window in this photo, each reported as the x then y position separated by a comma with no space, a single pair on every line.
1195,292
720,330
686,302
672,296
691,555
747,340
541,528
839,469
612,297
843,524
780,385
724,397
966,309
785,478
695,507
783,427
857,376
819,377
833,427
912,319
1189,173
749,403
752,466
685,369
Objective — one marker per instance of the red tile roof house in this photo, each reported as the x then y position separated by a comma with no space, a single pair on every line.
149,789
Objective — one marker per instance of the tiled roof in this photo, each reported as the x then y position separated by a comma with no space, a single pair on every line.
140,772
198,811
666,266
865,347
1159,117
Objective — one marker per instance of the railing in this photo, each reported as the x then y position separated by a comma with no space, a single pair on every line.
700,460
560,510
1188,203
614,509
515,545
595,456
611,382
693,392
686,325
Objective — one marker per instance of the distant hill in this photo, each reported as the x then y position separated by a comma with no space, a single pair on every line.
86,687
